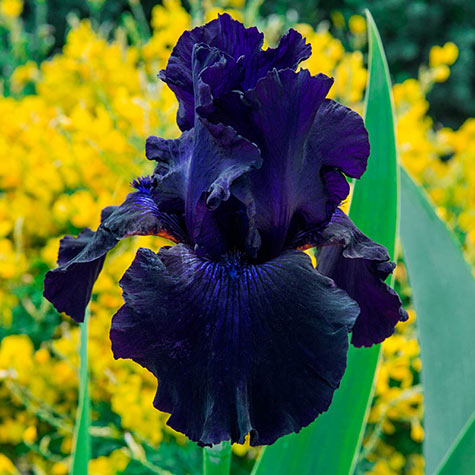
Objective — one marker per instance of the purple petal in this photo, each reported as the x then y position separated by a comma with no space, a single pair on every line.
225,34
69,286
170,176
201,169
360,266
278,116
70,247
339,137
291,50
306,142
217,172
215,73
221,158
236,348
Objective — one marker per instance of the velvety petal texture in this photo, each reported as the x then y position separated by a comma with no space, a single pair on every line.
247,62
241,332
360,266
307,144
236,348
171,174
226,35
69,286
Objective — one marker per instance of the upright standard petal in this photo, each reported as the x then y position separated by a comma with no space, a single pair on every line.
236,348
360,266
69,286
204,167
225,34
246,64
278,116
221,158
291,50
307,143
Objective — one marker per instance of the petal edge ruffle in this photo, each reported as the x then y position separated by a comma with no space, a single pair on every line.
69,286
360,267
236,348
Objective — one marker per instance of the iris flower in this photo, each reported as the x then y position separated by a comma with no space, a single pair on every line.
243,334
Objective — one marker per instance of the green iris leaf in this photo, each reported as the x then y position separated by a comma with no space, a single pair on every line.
444,298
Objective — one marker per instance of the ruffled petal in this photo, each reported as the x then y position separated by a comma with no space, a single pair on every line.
278,116
206,166
360,266
339,137
307,143
244,65
291,50
70,247
236,348
170,177
220,162
226,35
69,286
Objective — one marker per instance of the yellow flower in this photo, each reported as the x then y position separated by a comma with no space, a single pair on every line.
415,464
417,432
357,25
114,463
436,56
8,267
397,461
59,468
11,8
24,74
451,52
441,73
6,466
337,18
443,55
30,435
16,352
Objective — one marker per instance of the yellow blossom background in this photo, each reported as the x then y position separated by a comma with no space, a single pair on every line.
71,148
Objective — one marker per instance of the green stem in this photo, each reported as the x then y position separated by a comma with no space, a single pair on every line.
217,459
82,438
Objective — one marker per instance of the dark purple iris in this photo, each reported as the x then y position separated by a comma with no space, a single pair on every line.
242,333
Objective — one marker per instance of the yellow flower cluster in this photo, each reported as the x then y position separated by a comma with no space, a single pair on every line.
440,158
329,57
441,57
70,149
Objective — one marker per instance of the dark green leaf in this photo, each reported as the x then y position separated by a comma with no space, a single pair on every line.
444,298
